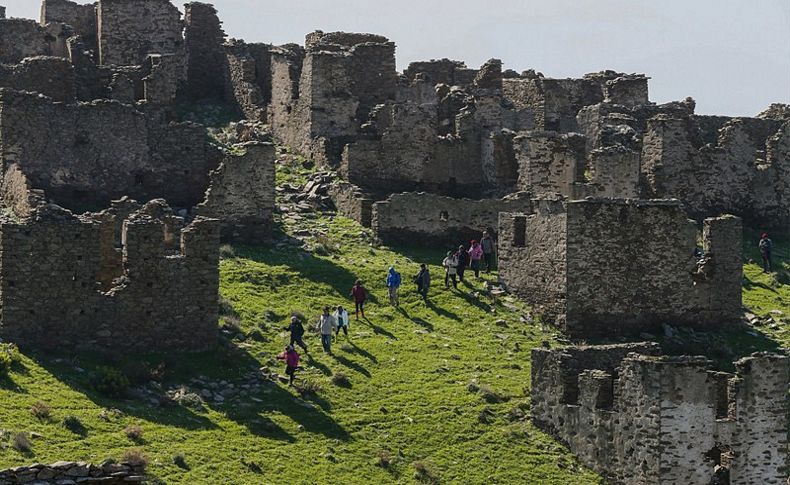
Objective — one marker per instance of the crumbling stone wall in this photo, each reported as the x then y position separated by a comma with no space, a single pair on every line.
637,417
21,38
599,266
84,155
241,194
249,76
50,76
206,68
108,473
82,18
441,71
130,30
429,219
342,76
51,296
738,165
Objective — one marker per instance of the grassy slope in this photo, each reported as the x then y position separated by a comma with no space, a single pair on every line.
409,371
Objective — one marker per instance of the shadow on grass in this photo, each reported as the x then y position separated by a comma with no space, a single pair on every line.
355,349
378,330
749,284
351,365
441,311
227,362
419,321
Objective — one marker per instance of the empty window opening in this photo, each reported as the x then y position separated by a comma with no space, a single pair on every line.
520,231
444,216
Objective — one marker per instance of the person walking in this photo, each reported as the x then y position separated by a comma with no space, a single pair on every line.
291,358
489,250
341,316
360,295
423,280
393,283
326,327
475,255
450,264
463,261
297,332
766,246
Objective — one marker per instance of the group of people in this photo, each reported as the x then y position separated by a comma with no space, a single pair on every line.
478,253
332,322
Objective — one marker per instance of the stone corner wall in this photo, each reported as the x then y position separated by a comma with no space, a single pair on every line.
242,193
622,408
109,280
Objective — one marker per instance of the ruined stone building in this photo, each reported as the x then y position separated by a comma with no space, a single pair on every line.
638,417
602,267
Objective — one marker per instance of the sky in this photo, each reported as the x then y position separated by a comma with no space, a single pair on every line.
731,56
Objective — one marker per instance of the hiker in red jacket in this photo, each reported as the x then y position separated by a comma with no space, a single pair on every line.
291,358
360,295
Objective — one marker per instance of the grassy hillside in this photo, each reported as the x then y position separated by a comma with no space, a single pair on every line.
429,393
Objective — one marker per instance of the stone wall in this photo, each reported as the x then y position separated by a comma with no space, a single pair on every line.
50,76
64,472
738,165
249,85
428,219
241,194
164,299
600,265
130,30
84,155
637,417
80,17
353,202
21,38
206,68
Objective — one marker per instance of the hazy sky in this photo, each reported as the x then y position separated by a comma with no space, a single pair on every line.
731,56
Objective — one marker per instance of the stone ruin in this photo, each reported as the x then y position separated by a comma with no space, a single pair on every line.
588,182
638,417
603,267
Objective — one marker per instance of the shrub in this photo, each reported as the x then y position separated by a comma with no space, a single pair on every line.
384,459
73,424
226,251
134,432
139,372
21,443
41,411
424,472
110,381
180,461
135,458
307,388
9,355
491,396
341,380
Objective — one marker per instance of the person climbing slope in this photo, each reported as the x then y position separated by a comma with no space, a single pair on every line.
291,358
393,283
360,295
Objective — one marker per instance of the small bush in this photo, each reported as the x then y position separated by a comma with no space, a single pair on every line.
134,432
384,459
135,458
110,382
73,424
424,472
110,414
41,411
486,416
140,372
226,251
191,400
180,461
9,355
307,388
491,396
21,443
341,380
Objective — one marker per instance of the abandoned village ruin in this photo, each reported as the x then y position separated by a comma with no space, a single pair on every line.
110,201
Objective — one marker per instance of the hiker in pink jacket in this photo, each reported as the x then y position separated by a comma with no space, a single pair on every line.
475,255
291,358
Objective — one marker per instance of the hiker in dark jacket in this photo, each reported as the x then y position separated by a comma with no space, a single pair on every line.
360,295
489,250
766,246
463,261
423,280
297,332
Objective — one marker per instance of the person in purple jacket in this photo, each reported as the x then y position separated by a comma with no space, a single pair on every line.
475,255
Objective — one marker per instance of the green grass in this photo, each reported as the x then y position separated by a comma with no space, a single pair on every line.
407,402
408,369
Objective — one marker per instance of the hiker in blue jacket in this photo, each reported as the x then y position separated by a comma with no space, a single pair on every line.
393,283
